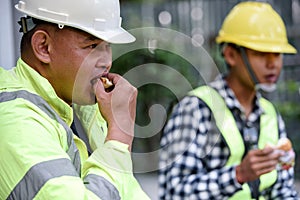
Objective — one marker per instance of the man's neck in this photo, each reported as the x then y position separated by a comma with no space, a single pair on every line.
244,95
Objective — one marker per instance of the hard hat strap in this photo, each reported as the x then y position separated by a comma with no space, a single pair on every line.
258,86
248,65
27,24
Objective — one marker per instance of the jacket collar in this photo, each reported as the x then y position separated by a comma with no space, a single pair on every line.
36,83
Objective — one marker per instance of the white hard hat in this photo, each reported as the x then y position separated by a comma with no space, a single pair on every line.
100,18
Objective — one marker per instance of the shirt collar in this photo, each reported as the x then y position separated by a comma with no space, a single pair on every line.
36,83
232,102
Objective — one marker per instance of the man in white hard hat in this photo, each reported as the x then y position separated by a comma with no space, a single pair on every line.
63,135
221,141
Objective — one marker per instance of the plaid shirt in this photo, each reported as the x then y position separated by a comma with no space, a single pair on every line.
192,162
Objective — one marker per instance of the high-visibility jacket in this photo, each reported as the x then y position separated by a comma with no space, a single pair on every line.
40,157
227,126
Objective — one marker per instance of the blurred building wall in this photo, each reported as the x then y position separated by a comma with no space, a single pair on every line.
7,44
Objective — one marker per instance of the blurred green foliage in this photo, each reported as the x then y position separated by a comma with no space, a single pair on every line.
286,98
154,93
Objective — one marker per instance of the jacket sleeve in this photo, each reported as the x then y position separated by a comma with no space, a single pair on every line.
110,160
113,163
34,163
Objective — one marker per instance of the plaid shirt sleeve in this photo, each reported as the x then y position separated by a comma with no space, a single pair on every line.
186,151
192,163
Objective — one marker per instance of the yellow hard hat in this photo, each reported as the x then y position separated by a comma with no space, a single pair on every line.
255,25
99,18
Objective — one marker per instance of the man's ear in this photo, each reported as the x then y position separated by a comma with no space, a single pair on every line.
40,43
230,55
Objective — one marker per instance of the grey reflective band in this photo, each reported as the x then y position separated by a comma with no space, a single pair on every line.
44,106
38,175
101,187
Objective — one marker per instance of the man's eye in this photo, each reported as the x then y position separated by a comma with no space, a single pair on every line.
93,46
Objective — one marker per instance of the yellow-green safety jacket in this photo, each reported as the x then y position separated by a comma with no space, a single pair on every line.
227,126
41,158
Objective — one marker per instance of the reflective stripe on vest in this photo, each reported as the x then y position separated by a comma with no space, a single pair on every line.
227,126
45,107
41,173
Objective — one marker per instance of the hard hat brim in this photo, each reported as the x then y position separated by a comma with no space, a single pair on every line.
117,35
259,46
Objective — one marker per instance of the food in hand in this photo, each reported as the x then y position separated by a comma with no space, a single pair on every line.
108,85
288,159
284,144
106,82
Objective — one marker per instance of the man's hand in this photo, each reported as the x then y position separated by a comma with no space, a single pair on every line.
118,108
256,163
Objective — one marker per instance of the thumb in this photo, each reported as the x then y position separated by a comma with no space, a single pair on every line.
99,89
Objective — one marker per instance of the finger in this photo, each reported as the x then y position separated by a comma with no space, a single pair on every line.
265,161
265,170
265,166
114,77
99,89
267,153
266,150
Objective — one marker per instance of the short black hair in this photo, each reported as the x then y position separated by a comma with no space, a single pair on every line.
28,33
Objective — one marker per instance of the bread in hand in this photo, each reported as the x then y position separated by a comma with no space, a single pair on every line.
106,82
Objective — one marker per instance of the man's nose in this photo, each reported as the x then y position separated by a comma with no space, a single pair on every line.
273,60
104,65
104,61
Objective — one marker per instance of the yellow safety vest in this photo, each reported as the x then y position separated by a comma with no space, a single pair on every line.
227,126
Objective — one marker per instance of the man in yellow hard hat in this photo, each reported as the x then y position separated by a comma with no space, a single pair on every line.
63,135
221,141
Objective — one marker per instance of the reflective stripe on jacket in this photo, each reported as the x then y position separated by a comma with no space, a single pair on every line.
39,155
227,126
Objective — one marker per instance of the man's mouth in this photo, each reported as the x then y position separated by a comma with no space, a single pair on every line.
272,78
108,85
95,80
